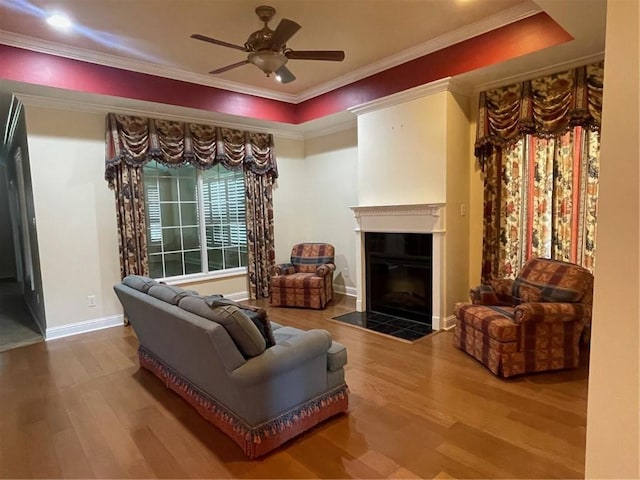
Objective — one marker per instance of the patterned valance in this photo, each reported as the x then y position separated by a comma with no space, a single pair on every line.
545,107
138,140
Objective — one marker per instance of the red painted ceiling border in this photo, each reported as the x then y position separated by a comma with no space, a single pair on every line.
519,38
52,71
514,40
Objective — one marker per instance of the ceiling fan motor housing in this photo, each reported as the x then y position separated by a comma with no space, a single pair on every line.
259,40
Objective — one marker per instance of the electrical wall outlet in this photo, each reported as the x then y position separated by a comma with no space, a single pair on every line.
345,272
91,301
463,209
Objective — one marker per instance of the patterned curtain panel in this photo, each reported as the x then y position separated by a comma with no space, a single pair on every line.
538,147
129,189
260,238
133,141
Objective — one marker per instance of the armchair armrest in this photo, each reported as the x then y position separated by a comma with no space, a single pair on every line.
282,358
325,269
487,295
285,269
551,312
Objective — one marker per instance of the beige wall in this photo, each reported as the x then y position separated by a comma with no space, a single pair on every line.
317,185
476,202
290,204
457,198
402,153
332,171
75,215
613,431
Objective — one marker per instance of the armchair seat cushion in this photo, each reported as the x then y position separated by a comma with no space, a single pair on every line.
298,280
495,322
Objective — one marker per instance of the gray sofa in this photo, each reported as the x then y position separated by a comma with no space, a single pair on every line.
217,355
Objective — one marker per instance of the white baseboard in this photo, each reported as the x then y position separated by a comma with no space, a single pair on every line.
238,296
449,322
348,291
84,327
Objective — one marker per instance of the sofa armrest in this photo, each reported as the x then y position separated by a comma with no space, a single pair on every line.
325,269
285,269
551,312
281,358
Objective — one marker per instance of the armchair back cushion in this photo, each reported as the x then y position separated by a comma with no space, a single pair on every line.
307,257
544,280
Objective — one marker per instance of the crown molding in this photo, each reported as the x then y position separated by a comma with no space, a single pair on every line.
506,17
331,129
139,66
540,72
154,110
428,89
498,20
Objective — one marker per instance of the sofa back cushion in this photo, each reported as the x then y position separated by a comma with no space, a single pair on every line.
238,325
139,282
545,280
169,293
306,257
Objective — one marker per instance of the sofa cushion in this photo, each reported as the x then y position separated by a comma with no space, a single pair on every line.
169,293
256,314
336,357
238,325
139,282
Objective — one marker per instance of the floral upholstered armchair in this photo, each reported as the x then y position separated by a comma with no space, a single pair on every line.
530,324
307,281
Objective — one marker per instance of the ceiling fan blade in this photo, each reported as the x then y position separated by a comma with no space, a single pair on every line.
284,75
229,67
283,32
330,55
204,38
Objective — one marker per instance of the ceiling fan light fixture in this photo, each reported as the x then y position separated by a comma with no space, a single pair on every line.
267,60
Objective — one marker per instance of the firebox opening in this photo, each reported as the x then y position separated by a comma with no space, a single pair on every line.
399,274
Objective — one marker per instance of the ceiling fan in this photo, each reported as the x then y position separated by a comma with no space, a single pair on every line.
267,48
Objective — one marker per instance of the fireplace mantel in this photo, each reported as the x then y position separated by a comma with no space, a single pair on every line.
412,218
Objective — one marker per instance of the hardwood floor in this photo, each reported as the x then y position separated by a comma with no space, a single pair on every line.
80,407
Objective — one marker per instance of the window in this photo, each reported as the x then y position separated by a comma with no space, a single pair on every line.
196,220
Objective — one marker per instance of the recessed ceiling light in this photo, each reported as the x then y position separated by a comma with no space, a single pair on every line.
60,21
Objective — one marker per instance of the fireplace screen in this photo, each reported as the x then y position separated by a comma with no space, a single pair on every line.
399,274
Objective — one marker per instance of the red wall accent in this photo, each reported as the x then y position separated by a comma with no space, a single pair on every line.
49,70
520,38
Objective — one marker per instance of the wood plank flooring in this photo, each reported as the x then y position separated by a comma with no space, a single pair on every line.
80,407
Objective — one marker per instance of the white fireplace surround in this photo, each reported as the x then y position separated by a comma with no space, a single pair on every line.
414,218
